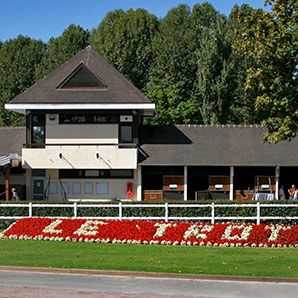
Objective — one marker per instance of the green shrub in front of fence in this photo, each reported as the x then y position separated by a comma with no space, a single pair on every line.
182,212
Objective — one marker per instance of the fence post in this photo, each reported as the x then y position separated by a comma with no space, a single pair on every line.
120,211
258,213
30,209
75,210
212,214
166,212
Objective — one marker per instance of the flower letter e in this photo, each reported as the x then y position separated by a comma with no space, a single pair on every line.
89,228
51,227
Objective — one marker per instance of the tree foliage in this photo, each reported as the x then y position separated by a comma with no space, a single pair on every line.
271,40
18,61
173,70
62,48
124,39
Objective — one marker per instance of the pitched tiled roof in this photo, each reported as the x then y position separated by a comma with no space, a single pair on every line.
119,89
12,140
213,146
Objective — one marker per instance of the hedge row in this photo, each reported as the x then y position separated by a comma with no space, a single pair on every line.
156,212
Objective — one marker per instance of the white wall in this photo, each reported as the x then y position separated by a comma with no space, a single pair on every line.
117,188
79,157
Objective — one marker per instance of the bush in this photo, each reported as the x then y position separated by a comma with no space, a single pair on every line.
156,212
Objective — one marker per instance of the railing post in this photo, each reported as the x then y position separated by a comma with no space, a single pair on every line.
212,214
120,211
166,212
75,210
258,213
30,209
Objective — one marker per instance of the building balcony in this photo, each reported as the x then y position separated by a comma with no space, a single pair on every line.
80,156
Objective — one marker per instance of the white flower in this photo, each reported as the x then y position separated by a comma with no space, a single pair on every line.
202,243
89,228
51,227
198,231
253,245
244,235
145,242
161,229
274,231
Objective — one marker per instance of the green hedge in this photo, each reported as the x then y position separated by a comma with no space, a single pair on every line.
155,212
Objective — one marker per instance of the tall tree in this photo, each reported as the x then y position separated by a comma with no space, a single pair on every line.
18,61
242,108
272,41
172,73
124,39
214,77
62,48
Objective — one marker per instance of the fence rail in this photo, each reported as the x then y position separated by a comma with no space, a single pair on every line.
212,218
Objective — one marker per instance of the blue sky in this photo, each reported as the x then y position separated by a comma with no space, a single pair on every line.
42,19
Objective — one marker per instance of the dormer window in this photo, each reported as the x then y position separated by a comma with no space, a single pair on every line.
82,78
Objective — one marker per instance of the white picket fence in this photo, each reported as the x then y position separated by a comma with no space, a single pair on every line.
212,218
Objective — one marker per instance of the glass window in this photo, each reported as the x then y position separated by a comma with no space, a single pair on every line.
104,118
102,188
53,188
125,134
38,129
88,188
92,173
70,118
87,118
38,173
121,173
65,187
76,188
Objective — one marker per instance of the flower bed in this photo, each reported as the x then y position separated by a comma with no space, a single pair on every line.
153,232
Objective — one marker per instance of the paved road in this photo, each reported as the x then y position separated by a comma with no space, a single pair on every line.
15,284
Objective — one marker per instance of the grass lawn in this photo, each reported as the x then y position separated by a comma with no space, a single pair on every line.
170,259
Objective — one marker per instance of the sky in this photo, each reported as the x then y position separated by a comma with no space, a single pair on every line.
43,19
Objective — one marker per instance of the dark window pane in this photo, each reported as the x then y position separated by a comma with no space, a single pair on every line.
125,134
105,119
38,119
38,135
122,173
